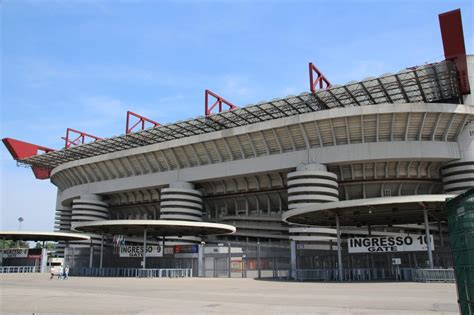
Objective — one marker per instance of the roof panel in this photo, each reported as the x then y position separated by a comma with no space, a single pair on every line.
433,82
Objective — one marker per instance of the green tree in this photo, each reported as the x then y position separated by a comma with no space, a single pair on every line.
13,244
47,245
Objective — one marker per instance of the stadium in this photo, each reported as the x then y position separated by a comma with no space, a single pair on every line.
302,178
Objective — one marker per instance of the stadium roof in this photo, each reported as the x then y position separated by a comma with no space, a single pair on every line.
433,83
42,236
370,211
154,227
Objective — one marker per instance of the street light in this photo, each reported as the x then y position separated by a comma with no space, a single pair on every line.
20,219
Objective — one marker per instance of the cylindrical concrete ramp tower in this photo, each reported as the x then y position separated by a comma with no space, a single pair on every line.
89,208
181,202
458,176
311,184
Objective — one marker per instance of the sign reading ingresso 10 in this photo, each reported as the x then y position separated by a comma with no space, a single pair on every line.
395,243
137,251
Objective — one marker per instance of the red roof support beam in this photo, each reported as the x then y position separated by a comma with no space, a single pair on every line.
141,121
453,44
75,138
319,80
219,101
21,150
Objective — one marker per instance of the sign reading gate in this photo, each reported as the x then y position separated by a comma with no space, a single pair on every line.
137,251
396,243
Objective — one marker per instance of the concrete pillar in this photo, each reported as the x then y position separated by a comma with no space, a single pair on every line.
163,246
428,238
67,249
201,260
229,257
293,259
91,255
259,260
144,249
339,249
440,230
44,260
101,250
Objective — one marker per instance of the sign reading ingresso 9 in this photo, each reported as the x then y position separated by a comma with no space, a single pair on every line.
15,253
137,251
395,243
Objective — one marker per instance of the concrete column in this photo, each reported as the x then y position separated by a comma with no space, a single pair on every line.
163,246
339,249
66,254
293,259
101,250
91,255
428,239
229,257
73,257
44,259
201,260
259,260
440,234
144,249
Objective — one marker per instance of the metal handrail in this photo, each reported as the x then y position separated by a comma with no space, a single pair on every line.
131,272
18,269
435,275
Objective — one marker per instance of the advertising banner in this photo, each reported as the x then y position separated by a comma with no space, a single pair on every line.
35,253
186,249
137,251
396,243
15,253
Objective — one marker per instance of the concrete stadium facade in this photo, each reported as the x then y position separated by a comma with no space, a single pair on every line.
382,152
249,176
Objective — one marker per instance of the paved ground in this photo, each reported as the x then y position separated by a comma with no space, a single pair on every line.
35,294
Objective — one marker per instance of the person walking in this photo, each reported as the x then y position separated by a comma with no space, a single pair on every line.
51,270
66,273
60,273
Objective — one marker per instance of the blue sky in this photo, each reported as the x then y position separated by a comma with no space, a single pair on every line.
83,64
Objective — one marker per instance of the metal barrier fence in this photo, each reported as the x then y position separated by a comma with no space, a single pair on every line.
19,269
131,272
358,274
435,275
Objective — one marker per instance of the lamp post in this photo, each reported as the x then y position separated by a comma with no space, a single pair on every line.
20,219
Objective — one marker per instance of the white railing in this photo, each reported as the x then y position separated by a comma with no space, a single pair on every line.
18,269
131,272
435,275
355,274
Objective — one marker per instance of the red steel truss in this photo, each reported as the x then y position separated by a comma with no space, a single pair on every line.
219,101
141,120
453,44
320,79
80,137
22,150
